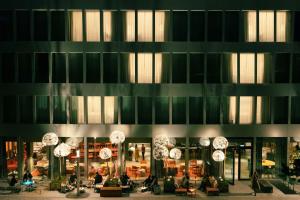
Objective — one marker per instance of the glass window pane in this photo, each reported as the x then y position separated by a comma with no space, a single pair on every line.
41,68
8,68
59,109
145,26
77,110
178,110
9,109
75,68
94,110
26,109
40,21
179,26
250,26
196,68
110,110
58,68
57,25
213,68
110,68
179,68
212,110
246,110
295,110
162,110
230,68
232,26
282,66
280,106
262,110
161,26
92,25
266,26
197,25
144,110
229,110
162,67
107,25
128,110
144,67
282,26
247,67
127,68
128,26
25,67
42,109
296,68
75,26
196,110
296,26
23,25
6,25
93,68
214,26
264,64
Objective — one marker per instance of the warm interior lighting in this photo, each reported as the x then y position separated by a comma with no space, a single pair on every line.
158,67
233,67
260,67
130,26
281,26
131,67
107,26
232,109
145,26
160,17
247,67
145,68
92,25
258,109
246,110
109,109
266,26
251,26
76,26
94,109
80,109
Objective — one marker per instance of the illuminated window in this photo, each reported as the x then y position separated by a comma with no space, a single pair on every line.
160,26
250,27
144,68
110,110
281,26
107,26
94,110
127,68
266,26
92,25
263,65
130,26
246,110
76,26
247,67
232,109
77,110
258,110
145,26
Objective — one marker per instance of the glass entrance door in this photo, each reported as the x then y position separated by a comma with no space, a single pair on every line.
245,163
229,166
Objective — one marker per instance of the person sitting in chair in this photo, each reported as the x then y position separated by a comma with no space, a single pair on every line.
98,178
124,179
185,181
13,181
27,176
73,179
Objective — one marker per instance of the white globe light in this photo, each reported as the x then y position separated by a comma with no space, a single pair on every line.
171,142
117,137
220,143
50,139
175,153
204,141
160,152
296,139
62,150
105,153
73,141
161,140
218,156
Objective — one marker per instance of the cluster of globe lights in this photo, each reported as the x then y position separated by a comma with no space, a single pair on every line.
117,137
62,150
161,145
219,143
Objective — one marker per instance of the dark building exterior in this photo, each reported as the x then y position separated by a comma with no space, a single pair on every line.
185,69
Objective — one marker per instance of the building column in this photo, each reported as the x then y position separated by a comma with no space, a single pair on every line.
3,163
29,152
254,155
51,162
86,153
186,154
20,150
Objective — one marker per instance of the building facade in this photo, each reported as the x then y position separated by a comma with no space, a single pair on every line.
185,69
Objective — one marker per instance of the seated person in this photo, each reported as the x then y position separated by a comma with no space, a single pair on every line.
213,182
98,178
73,179
148,181
27,176
124,179
185,183
153,183
13,181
